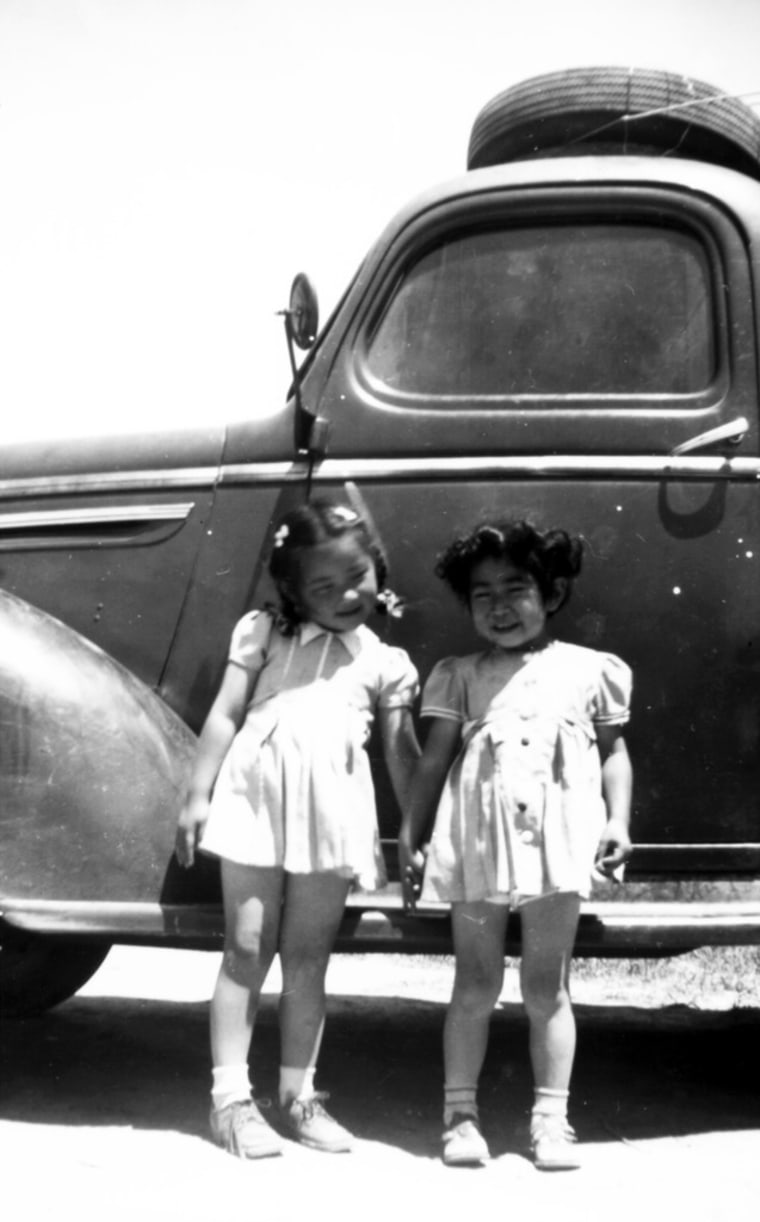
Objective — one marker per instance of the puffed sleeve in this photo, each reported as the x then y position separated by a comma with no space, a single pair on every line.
400,682
443,694
249,640
612,701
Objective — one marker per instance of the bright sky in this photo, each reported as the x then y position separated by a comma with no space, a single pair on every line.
168,165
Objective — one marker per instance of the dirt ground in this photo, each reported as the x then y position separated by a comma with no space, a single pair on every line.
104,1106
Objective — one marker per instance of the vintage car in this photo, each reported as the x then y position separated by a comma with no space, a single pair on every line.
569,330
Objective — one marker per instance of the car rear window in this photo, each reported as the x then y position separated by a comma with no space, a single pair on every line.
597,309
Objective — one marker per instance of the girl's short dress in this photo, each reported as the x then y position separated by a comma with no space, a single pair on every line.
295,788
521,814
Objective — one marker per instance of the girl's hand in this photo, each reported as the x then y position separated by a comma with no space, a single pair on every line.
411,869
614,850
192,821
615,844
441,746
219,729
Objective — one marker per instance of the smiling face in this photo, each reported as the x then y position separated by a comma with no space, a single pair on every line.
337,586
507,606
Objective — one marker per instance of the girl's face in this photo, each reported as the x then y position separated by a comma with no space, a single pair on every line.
337,586
507,606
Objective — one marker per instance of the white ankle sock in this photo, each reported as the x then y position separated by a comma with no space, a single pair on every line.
296,1083
550,1102
229,1083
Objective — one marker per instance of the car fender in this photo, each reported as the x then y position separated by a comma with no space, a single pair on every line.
93,768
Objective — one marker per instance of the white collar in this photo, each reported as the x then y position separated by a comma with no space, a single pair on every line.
351,639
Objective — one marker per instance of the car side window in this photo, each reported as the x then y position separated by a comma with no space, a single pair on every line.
557,309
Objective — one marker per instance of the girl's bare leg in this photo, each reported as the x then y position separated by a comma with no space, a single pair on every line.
479,930
252,904
549,926
312,910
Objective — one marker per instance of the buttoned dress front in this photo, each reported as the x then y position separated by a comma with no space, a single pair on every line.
522,813
295,789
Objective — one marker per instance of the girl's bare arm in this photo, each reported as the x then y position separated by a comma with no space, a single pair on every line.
432,768
617,784
222,724
400,749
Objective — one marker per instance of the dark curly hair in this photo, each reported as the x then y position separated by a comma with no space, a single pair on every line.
317,522
546,555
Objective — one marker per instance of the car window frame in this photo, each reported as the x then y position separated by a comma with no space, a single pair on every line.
644,397
369,419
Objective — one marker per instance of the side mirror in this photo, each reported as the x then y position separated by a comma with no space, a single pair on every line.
303,312
301,324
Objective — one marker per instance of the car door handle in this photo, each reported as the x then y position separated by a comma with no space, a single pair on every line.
733,432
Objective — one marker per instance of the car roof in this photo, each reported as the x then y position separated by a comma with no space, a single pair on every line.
736,191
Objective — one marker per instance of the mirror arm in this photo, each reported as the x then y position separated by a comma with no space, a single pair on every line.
309,431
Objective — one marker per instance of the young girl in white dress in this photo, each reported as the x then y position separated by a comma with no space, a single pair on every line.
282,793
526,772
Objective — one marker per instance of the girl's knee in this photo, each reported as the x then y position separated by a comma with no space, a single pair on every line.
252,898
244,970
543,994
476,988
247,949
303,970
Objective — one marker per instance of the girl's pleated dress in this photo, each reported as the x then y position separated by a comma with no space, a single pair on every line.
522,813
295,788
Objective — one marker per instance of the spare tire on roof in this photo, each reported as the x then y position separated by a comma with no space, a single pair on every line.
616,110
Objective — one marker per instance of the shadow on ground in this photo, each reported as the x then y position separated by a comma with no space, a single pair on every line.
639,1073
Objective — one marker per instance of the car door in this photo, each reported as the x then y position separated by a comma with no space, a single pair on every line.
581,353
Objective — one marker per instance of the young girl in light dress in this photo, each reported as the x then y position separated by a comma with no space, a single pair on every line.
526,772
282,793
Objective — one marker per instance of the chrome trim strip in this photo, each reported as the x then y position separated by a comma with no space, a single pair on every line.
97,482
533,467
265,473
95,517
552,466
